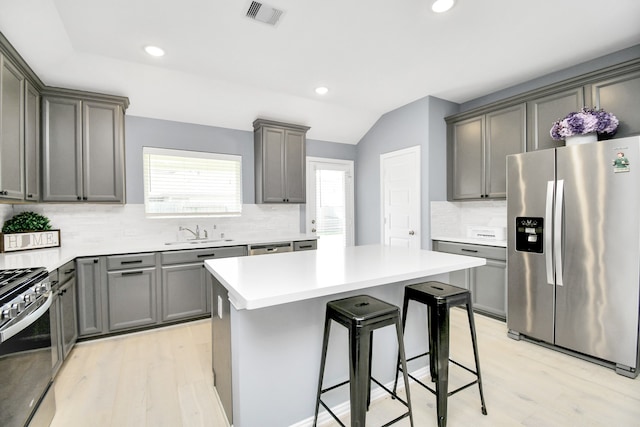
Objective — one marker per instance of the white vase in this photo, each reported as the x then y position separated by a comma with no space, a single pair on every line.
581,139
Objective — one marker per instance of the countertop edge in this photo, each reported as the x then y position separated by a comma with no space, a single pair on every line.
52,258
241,302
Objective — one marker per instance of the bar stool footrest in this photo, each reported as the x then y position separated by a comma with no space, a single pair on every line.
392,393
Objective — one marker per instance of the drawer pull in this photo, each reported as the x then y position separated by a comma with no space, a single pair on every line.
132,273
469,250
135,261
305,246
72,270
206,255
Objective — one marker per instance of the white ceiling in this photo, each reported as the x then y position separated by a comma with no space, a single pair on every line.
223,69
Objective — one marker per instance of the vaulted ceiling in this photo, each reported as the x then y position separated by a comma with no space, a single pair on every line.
224,69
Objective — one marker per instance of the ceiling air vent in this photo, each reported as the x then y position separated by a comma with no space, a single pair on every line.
264,13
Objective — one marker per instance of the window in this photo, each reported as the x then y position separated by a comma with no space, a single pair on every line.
191,183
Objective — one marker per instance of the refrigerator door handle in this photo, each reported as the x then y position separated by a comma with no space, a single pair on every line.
557,231
548,243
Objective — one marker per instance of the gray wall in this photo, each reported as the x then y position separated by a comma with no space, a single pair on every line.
418,123
566,73
422,123
140,132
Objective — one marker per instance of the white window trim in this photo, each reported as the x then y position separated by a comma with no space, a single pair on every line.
196,155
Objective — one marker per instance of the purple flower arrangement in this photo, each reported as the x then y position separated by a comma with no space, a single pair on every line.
587,120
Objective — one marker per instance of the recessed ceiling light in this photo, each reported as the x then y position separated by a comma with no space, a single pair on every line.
440,6
154,51
322,90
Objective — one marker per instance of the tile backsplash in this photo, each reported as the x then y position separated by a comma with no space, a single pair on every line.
95,223
453,219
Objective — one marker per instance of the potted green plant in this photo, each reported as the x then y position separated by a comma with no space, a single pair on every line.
28,230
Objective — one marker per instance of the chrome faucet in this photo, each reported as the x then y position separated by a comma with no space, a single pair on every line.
196,234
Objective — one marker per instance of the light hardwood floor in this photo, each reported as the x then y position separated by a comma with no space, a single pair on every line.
163,378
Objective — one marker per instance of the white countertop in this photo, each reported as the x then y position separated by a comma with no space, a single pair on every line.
53,258
268,280
473,241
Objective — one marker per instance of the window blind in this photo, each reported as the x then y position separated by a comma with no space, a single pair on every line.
191,183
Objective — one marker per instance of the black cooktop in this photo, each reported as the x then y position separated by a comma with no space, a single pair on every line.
15,281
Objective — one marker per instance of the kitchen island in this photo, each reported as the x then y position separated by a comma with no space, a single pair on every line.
268,318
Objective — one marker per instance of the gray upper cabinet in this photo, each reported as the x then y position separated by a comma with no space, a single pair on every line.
478,149
11,131
83,150
279,162
467,143
506,134
542,112
31,143
620,96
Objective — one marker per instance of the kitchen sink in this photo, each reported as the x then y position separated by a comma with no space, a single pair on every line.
199,242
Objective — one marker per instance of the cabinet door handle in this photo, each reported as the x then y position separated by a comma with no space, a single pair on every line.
469,250
132,273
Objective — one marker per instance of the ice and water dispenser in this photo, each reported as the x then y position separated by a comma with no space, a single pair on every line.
529,234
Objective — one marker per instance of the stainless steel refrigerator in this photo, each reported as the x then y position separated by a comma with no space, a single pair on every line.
574,249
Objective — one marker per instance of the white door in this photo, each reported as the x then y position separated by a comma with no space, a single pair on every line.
330,201
400,198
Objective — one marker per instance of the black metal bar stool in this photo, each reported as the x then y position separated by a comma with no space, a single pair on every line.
439,297
361,315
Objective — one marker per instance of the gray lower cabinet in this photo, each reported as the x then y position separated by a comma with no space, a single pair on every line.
91,304
68,303
132,298
131,291
478,147
11,131
542,112
83,150
305,245
64,326
185,290
488,283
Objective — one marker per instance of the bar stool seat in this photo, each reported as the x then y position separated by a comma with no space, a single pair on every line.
361,315
439,298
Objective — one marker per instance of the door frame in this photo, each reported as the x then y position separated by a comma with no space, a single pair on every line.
415,152
350,194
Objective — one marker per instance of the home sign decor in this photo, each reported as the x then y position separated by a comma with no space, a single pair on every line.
29,240
28,230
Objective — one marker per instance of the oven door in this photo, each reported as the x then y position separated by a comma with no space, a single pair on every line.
25,363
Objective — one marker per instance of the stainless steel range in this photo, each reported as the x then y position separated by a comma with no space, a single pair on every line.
26,395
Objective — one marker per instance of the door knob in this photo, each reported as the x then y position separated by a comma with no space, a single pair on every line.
313,230
411,233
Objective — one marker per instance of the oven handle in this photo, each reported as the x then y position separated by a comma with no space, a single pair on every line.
28,320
